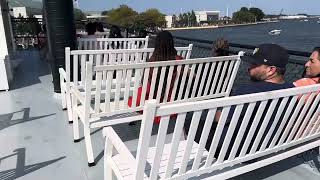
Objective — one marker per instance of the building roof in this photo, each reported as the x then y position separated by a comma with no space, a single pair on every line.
37,4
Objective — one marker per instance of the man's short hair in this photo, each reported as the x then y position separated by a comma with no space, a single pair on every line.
280,71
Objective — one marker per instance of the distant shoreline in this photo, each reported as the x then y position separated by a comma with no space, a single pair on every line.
221,26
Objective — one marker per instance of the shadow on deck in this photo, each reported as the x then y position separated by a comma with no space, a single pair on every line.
37,142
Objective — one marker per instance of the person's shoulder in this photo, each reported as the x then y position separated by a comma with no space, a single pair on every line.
261,86
178,57
305,82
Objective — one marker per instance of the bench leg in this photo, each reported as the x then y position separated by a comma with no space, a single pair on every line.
87,139
63,93
69,107
107,154
63,98
76,135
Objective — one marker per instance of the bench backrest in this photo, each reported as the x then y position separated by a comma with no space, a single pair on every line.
271,121
112,43
96,35
166,81
107,57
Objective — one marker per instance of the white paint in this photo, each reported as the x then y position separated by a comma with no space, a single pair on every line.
5,67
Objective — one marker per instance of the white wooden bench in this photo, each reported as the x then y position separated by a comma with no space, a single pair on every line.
78,59
286,123
112,43
194,80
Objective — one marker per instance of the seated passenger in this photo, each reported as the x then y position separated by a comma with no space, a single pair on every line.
267,67
164,51
312,70
91,29
220,48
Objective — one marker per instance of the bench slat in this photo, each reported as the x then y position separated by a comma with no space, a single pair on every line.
196,82
284,121
178,130
228,76
300,117
160,84
162,133
313,103
274,123
203,78
190,139
183,81
262,128
229,134
204,136
75,69
190,80
242,130
217,135
169,82
253,128
153,82
175,86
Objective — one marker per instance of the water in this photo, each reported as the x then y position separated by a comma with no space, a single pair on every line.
295,35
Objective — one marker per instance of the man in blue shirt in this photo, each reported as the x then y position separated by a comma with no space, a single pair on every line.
267,68
268,65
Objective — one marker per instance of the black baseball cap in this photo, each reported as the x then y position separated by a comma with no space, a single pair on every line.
268,54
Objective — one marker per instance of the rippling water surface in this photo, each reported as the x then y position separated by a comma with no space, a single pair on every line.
295,35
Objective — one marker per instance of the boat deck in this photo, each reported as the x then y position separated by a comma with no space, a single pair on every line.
37,143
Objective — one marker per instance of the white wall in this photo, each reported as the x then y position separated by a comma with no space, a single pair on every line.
7,46
19,10
203,15
169,21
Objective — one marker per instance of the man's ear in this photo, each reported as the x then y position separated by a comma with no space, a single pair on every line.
272,70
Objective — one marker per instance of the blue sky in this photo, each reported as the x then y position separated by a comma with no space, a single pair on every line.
176,6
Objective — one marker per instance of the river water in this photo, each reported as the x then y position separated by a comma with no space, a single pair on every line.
295,35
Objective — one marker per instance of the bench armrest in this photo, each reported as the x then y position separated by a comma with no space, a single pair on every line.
78,94
63,73
118,144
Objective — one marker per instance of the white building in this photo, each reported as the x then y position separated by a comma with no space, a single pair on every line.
169,20
207,16
25,8
25,12
19,11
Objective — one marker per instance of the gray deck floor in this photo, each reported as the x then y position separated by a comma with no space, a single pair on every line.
36,141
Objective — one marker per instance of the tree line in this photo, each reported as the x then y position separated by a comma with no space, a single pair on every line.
153,19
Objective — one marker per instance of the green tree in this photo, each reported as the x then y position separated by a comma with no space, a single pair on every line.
244,9
180,20
258,13
175,21
193,19
122,16
243,16
79,15
152,18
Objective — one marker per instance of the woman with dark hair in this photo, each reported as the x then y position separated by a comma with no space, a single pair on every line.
99,27
220,47
311,74
90,28
164,51
115,32
164,48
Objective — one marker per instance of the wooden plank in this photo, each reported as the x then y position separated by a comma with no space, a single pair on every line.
190,140
162,132
204,137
